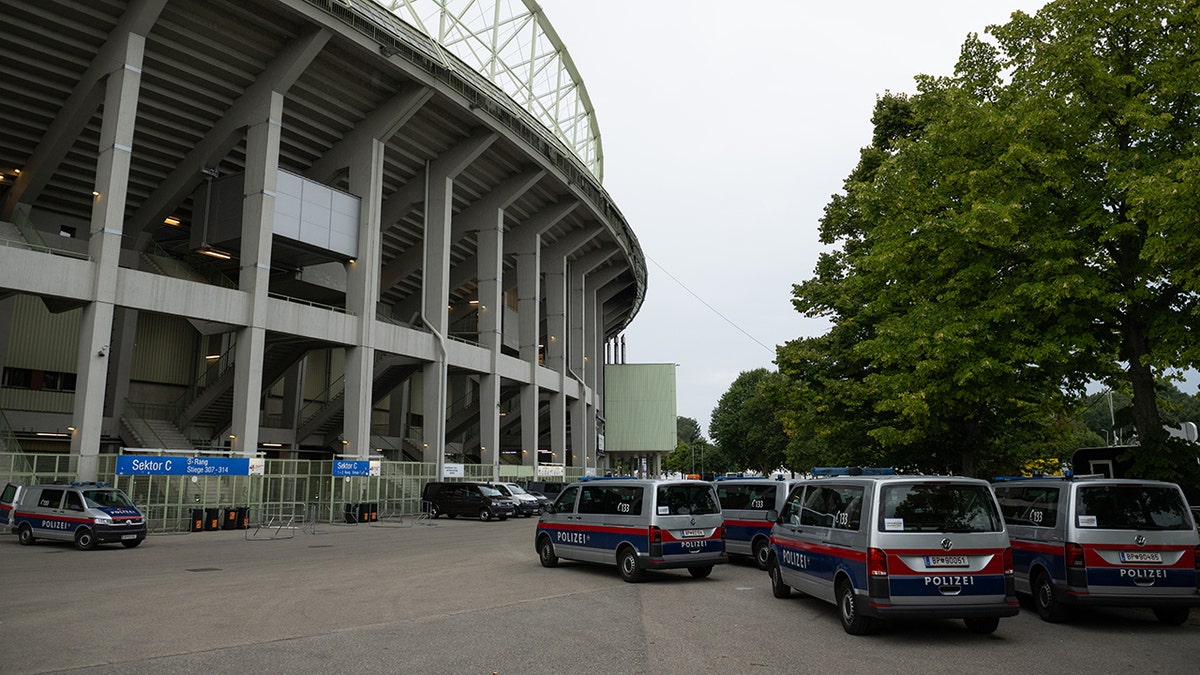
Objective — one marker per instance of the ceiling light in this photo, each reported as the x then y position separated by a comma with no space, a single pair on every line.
213,253
172,221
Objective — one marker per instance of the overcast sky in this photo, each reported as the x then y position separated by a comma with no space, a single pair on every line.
726,128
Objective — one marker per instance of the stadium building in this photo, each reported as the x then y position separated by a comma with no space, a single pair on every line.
302,231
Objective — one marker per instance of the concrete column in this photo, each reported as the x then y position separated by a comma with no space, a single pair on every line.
104,247
120,361
258,224
436,289
556,346
489,242
293,397
579,318
362,292
529,334
6,312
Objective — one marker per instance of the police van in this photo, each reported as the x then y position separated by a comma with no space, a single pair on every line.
85,513
1097,541
745,504
885,546
635,524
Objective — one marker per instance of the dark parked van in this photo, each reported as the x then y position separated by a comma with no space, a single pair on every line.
467,499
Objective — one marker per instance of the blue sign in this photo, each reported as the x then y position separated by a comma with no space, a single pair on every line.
134,465
351,467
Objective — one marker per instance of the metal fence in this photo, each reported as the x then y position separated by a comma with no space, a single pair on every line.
298,491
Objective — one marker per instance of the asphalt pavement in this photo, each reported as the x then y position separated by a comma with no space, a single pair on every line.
463,596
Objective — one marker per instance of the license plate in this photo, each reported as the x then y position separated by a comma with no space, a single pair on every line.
129,536
1141,556
945,561
693,533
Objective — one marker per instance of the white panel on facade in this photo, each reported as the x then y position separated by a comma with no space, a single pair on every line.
343,224
288,196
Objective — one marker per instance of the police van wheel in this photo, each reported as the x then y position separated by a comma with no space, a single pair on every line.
778,588
983,626
762,554
853,622
631,567
1172,616
700,571
1045,600
546,553
25,535
85,540
485,515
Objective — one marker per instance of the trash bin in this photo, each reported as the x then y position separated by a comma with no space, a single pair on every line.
351,514
230,519
374,512
364,512
197,520
243,517
212,519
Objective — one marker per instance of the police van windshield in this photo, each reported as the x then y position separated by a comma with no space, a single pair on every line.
105,498
687,499
939,507
1131,507
515,489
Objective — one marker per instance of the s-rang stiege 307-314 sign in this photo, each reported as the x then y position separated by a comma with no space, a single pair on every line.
135,465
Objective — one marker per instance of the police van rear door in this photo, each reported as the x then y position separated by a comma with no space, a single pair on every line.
1137,538
8,500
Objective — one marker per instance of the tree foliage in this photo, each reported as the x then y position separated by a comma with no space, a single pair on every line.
745,424
1015,230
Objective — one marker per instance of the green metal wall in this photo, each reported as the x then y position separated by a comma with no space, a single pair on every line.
639,407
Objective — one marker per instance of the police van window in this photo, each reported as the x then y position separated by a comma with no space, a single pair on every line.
74,501
1032,506
760,497
1131,507
938,507
566,500
611,500
50,499
106,498
793,506
836,506
695,499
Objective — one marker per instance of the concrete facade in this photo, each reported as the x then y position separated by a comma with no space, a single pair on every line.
489,265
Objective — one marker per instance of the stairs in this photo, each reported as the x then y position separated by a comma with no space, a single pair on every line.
390,372
212,408
158,434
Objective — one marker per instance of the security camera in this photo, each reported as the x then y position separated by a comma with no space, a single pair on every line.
103,351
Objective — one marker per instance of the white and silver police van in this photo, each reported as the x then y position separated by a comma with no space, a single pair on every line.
893,547
85,513
745,504
1096,541
635,524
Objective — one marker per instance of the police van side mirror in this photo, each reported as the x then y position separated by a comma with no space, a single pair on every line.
550,508
772,515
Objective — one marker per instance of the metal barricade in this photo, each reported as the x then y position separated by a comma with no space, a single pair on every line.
278,521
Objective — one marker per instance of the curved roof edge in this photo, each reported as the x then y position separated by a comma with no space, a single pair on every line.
521,54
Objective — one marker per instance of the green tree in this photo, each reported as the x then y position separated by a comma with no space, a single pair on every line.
745,425
690,448
1014,231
